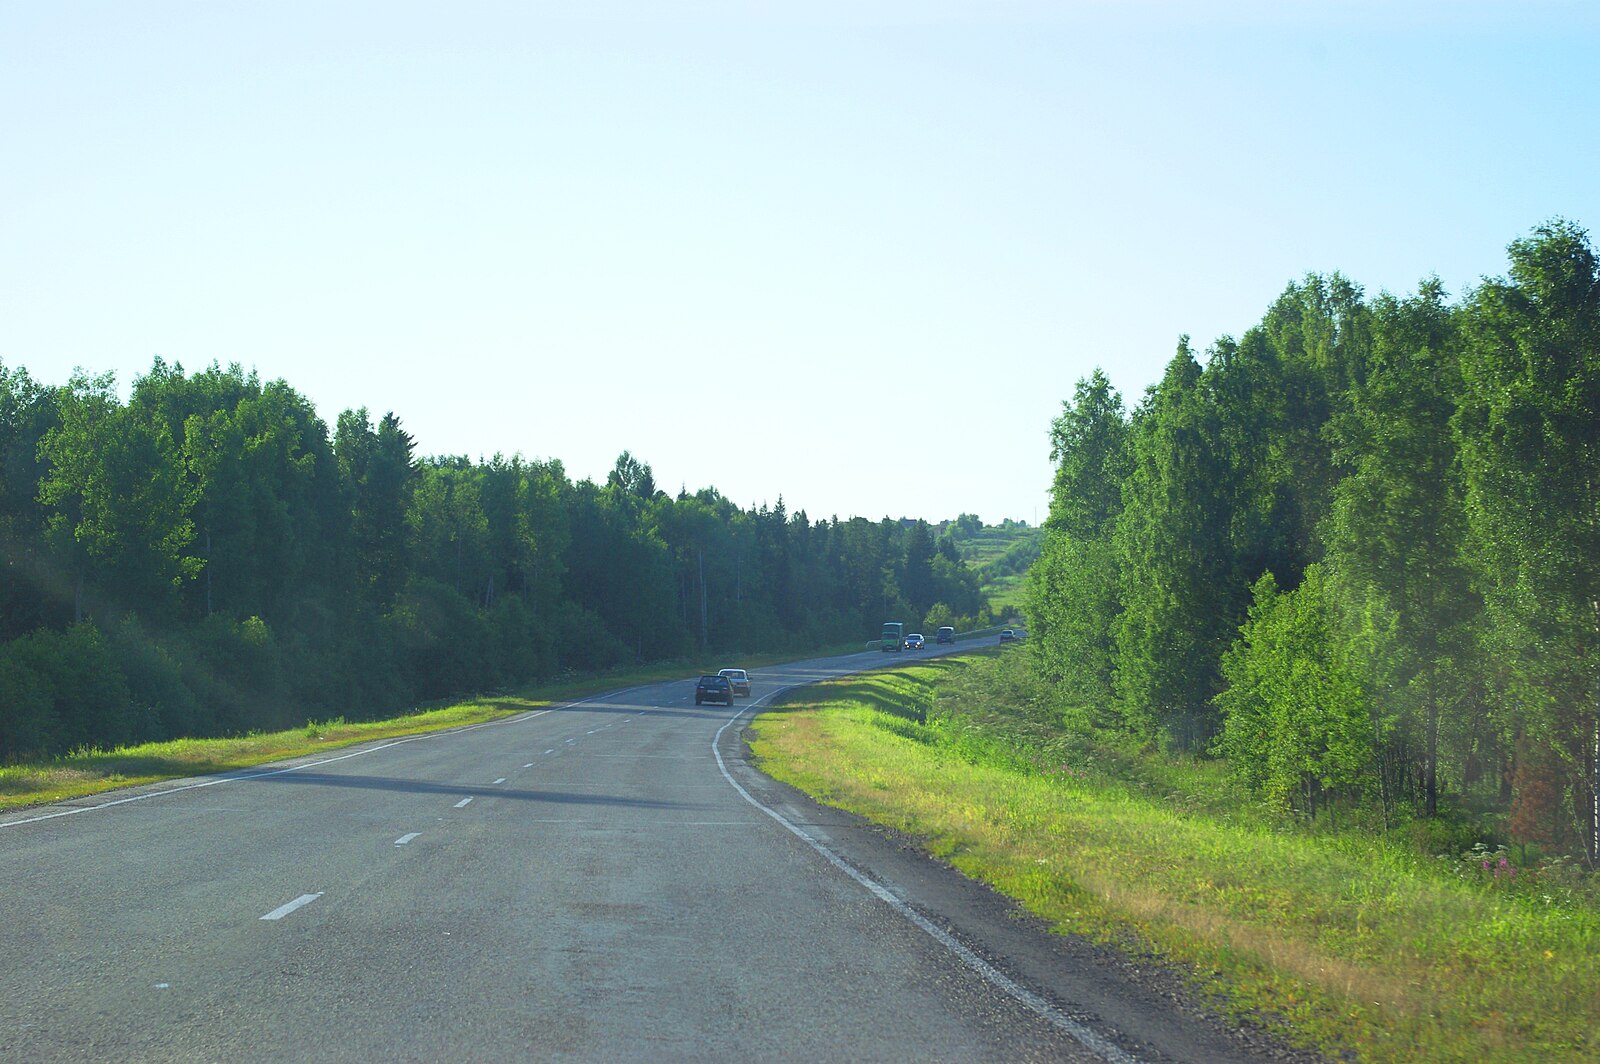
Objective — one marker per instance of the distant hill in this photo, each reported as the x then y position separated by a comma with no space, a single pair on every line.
1000,555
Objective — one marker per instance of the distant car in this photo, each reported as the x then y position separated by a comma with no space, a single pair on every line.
740,680
1007,635
914,641
713,689
945,635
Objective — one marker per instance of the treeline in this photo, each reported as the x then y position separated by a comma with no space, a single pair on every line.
208,558
1356,552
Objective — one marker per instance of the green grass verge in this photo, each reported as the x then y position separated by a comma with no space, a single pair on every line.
1344,942
92,772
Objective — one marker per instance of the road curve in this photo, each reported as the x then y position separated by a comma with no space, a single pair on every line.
605,880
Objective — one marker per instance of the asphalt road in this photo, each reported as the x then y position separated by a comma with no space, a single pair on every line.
607,880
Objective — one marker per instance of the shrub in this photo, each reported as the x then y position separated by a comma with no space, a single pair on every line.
163,706
237,672
70,692
442,640
28,724
583,642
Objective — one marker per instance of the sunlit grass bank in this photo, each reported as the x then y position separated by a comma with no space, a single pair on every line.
96,771
1341,941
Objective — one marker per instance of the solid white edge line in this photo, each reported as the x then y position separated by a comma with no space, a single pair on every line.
1089,1038
284,910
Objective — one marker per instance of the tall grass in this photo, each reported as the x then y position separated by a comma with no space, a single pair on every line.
1343,941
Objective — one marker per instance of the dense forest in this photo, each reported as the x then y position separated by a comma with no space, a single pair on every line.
1355,552
207,558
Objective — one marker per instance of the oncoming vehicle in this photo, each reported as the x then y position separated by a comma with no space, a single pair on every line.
946,634
893,637
713,689
914,641
1007,635
739,679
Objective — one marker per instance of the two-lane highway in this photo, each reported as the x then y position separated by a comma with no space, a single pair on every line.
607,880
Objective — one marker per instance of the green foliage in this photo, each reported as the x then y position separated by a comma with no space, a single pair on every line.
162,700
938,616
1529,428
236,568
29,724
119,503
1089,444
377,474
1072,605
966,526
1438,467
584,643
1073,599
28,595
64,691
442,641
1296,721
916,579
1181,599
1396,531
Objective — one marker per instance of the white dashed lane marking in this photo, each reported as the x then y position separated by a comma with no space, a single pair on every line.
463,803
403,839
284,910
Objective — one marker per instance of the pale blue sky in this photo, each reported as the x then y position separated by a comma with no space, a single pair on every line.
853,254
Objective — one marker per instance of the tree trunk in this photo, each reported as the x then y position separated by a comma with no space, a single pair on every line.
702,596
1431,759
1380,758
1594,788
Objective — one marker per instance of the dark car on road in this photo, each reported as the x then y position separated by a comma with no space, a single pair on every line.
946,634
713,689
